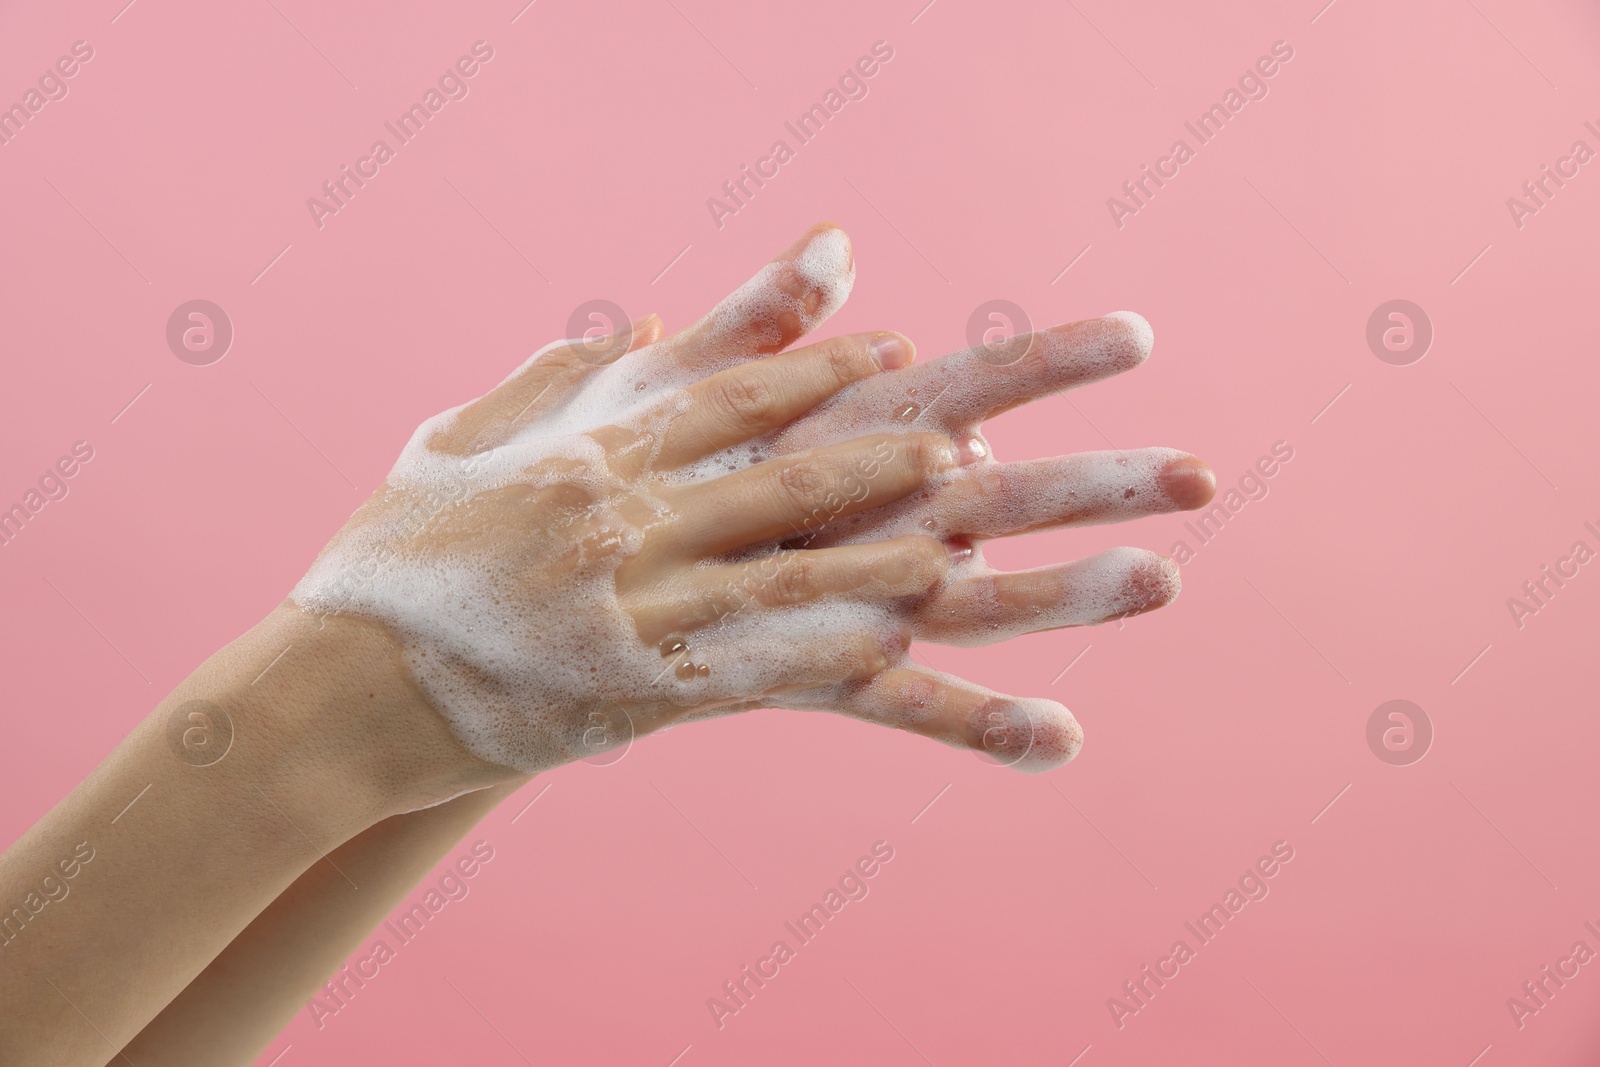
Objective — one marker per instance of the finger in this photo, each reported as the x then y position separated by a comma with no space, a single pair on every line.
998,606
548,378
1037,365
1032,735
1086,489
785,300
957,392
750,399
881,571
798,496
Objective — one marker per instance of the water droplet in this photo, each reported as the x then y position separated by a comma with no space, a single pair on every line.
672,646
703,670
638,387
908,413
685,670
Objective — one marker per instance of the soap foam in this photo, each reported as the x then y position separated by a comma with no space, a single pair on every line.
630,389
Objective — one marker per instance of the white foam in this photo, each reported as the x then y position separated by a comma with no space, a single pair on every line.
1144,338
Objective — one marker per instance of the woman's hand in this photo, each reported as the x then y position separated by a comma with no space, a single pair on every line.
631,533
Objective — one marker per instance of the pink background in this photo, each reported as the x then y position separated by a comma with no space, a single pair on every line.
979,165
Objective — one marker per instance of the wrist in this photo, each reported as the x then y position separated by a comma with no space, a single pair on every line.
322,710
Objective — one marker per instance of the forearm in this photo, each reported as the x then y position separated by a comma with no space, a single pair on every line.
184,848
232,1010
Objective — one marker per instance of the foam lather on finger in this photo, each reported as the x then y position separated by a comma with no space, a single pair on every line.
1052,360
986,500
1141,339
808,288
1028,734
802,292
786,299
979,605
958,392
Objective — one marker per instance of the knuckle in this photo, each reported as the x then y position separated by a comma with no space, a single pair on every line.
560,359
917,691
997,497
925,453
915,565
803,484
745,399
846,361
988,483
980,488
886,648
934,560
794,583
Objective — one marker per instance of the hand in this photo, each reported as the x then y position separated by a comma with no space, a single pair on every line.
635,532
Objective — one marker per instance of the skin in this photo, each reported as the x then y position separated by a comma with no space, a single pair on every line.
218,903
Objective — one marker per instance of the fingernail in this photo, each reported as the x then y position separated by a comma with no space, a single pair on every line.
970,449
1188,482
891,351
